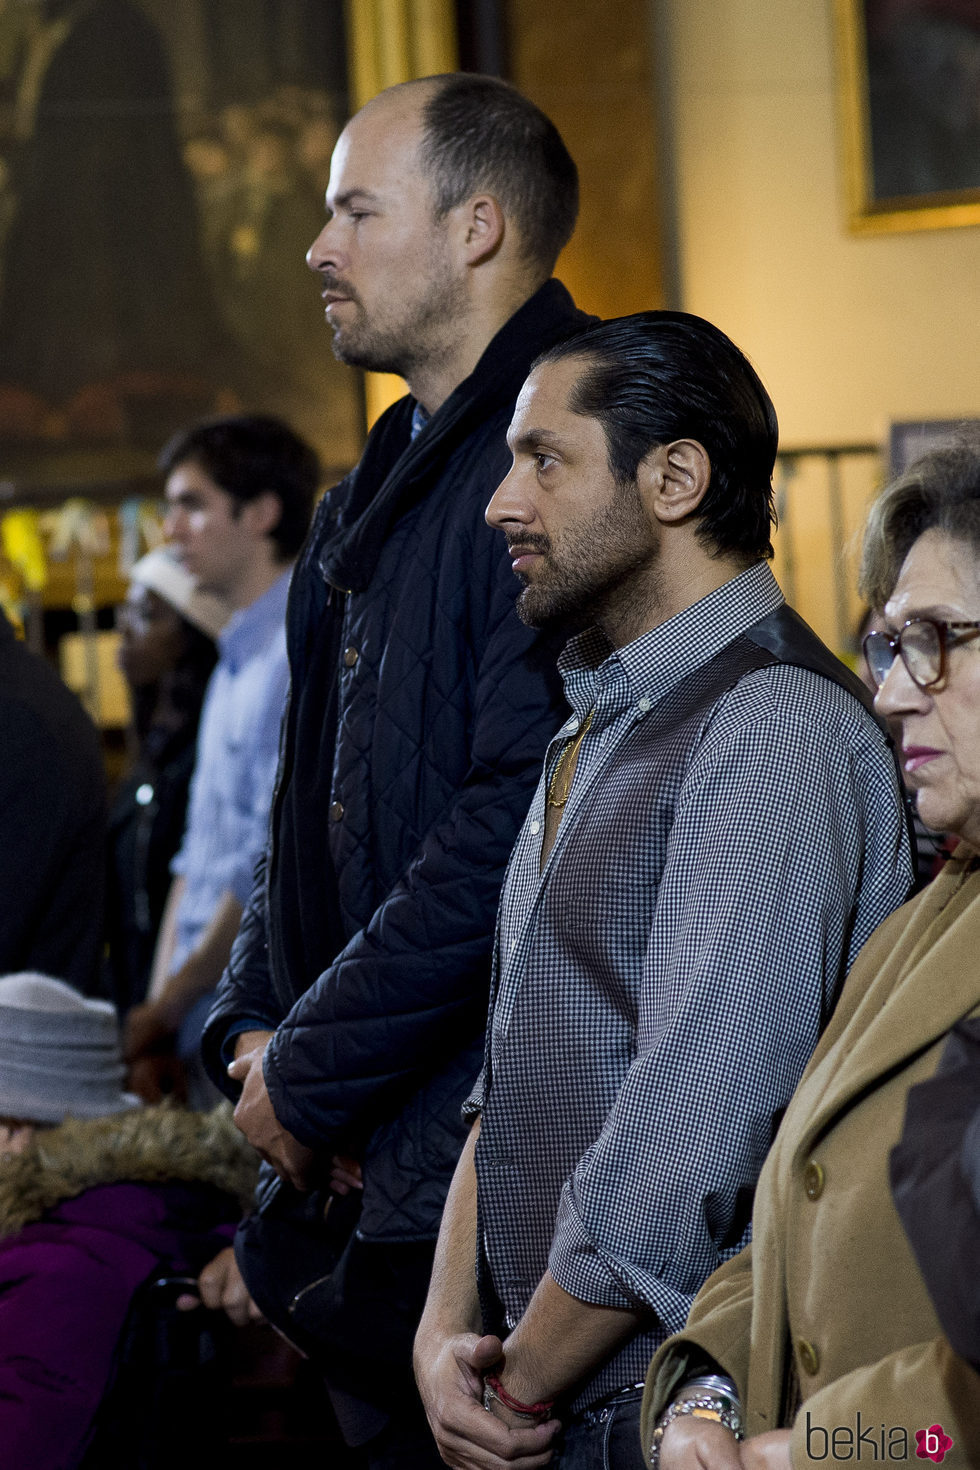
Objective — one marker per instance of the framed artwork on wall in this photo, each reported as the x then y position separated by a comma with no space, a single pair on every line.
909,77
909,439
162,169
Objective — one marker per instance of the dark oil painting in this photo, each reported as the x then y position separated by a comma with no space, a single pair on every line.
911,97
162,168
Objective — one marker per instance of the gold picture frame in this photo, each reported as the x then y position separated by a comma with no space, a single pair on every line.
911,150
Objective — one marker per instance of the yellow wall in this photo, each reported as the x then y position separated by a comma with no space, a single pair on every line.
848,332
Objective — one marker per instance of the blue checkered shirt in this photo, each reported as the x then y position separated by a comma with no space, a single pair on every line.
660,987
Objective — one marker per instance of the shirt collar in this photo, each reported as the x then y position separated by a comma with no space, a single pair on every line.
420,417
250,628
606,679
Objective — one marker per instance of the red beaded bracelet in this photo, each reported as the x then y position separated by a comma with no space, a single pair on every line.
533,1411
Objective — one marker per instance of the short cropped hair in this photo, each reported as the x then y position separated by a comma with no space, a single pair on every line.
248,454
658,376
940,492
481,133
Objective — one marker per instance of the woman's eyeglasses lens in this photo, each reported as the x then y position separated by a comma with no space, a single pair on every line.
920,645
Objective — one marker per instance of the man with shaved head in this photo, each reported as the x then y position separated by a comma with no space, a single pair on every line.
349,1023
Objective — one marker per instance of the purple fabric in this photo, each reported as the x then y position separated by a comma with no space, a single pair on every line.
66,1283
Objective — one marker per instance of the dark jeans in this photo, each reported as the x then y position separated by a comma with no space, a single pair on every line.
604,1438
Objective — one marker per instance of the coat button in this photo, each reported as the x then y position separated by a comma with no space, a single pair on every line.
808,1356
336,811
351,656
813,1180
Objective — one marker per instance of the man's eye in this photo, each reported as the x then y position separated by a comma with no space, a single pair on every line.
543,460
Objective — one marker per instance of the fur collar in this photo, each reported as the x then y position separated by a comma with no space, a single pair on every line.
150,1145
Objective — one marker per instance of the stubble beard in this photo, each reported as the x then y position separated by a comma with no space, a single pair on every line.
404,338
599,573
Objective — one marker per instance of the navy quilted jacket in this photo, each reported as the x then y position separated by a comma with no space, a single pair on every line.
419,713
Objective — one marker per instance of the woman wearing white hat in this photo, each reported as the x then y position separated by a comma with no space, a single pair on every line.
167,652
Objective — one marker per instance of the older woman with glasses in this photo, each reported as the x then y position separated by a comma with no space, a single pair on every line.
819,1343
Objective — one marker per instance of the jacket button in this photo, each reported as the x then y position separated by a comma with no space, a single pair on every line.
808,1356
813,1180
336,811
351,656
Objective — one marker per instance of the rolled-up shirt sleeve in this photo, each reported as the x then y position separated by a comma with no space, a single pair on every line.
473,1104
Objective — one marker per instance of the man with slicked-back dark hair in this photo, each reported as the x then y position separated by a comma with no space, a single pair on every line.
349,1023
717,830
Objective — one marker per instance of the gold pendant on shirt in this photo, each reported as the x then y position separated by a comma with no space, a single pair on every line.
560,785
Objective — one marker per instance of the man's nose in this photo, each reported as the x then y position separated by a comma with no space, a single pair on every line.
508,505
324,254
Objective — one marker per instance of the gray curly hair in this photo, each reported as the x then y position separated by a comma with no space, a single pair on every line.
941,492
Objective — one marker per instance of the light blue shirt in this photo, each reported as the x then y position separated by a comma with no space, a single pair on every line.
237,755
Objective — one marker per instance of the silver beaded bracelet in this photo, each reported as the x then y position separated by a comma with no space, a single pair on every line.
716,1404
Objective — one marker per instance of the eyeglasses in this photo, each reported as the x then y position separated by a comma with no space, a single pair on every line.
923,644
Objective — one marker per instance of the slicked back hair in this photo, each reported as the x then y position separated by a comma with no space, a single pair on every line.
939,492
247,454
479,133
659,376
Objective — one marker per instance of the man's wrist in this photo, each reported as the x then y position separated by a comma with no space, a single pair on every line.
151,1021
529,1370
177,995
528,1411
248,1041
442,1322
168,1009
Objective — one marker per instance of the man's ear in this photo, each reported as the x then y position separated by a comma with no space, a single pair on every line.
673,479
480,226
263,513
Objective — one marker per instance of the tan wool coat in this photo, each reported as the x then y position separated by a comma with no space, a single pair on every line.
825,1317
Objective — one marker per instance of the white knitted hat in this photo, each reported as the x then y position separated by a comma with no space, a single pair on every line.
59,1053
